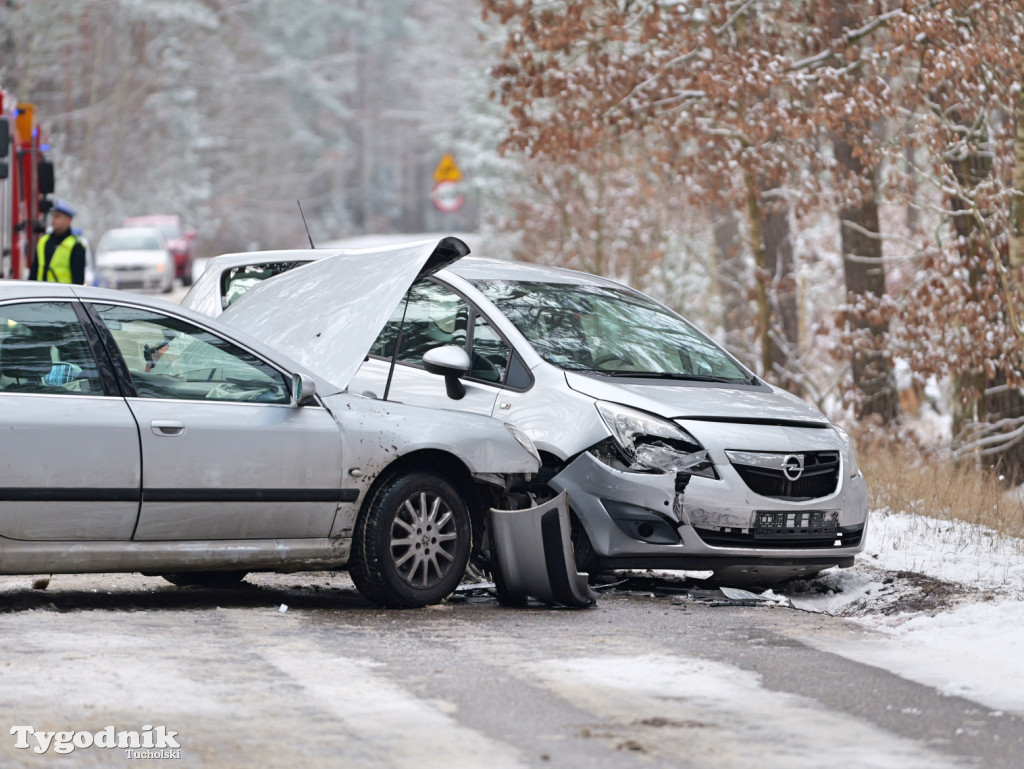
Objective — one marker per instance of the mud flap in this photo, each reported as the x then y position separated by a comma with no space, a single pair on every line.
533,557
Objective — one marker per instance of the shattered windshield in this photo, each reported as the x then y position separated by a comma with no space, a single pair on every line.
610,331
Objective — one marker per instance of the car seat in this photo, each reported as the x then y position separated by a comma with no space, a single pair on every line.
26,361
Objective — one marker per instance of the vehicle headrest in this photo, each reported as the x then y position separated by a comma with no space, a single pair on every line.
23,358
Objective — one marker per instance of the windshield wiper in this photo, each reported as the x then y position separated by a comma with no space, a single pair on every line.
675,376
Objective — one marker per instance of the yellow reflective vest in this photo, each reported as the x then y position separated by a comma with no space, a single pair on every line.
60,264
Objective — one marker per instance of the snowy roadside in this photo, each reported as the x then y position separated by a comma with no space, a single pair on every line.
946,602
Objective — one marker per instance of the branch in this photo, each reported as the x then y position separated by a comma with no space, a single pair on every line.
878,236
848,37
732,19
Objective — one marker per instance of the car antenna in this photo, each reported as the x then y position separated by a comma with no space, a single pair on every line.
305,225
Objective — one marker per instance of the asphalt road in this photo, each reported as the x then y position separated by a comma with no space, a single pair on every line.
298,671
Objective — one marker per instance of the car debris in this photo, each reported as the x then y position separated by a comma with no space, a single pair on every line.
533,558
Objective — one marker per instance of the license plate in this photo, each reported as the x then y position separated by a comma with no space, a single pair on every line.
810,523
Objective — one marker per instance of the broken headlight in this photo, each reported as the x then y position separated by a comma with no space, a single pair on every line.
656,444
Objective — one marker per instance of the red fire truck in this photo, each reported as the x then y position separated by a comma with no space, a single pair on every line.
26,183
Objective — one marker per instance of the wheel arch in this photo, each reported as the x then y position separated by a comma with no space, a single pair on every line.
446,465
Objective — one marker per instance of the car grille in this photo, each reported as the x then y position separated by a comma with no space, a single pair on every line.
820,476
847,536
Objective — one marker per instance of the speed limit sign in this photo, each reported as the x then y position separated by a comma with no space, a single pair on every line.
447,197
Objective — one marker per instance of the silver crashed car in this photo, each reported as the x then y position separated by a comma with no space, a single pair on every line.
140,436
673,454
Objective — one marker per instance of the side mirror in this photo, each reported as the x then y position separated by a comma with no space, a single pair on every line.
191,234
452,363
303,390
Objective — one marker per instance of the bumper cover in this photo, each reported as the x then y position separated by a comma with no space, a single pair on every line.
599,494
533,556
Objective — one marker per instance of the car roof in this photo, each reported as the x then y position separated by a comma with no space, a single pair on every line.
155,218
483,268
132,230
469,267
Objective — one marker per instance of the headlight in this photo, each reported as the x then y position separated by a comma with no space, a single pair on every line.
524,440
654,443
851,450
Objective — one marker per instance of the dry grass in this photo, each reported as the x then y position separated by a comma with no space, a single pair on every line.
903,478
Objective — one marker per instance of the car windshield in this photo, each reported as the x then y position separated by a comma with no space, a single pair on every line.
610,331
127,240
170,230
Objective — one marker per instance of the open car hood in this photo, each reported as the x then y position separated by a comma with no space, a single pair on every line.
327,314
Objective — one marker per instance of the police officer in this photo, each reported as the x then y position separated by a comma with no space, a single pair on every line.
60,256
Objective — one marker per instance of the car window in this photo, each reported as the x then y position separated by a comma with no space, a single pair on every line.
437,316
170,230
236,281
171,358
489,360
130,241
43,349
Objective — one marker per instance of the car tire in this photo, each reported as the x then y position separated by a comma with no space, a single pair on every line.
205,578
411,543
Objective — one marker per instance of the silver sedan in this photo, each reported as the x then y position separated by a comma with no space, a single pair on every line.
140,436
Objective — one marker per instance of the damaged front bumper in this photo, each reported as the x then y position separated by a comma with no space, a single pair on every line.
675,521
532,556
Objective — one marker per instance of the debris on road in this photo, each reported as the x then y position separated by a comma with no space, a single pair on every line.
532,557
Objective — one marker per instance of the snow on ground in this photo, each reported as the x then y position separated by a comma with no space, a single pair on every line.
946,602
712,702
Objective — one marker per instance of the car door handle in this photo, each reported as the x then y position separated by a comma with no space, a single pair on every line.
166,427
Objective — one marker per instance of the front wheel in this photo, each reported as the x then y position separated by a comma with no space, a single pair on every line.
412,542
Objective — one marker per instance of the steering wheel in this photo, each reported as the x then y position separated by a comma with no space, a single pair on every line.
609,357
484,369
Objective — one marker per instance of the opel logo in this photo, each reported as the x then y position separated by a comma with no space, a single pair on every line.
793,466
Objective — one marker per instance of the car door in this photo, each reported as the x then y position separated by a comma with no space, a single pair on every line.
69,447
225,454
435,316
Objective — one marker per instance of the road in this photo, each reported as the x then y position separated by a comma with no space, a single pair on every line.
298,671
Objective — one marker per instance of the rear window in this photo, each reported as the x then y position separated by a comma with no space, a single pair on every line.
236,281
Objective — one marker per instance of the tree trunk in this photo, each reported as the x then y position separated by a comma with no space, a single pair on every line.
1017,204
761,279
778,249
968,386
864,271
731,283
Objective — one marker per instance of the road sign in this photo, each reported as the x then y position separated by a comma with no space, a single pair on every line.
447,170
447,197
